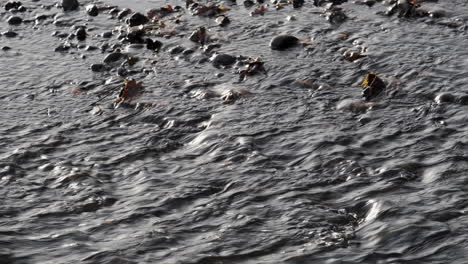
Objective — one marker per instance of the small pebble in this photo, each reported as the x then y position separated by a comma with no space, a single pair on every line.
5,48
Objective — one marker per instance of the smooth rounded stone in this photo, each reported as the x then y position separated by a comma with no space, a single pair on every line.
98,67
80,34
176,50
9,34
463,99
283,42
107,34
92,10
291,18
14,20
21,9
137,19
222,59
444,98
112,57
70,5
5,48
12,5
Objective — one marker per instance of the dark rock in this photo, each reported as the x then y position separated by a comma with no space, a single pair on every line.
444,98
134,37
188,52
176,50
92,10
91,48
21,9
297,3
80,33
62,48
104,47
209,48
41,17
5,48
12,5
123,13
137,19
372,86
199,36
107,34
463,100
222,21
222,59
9,34
14,20
70,5
248,3
113,57
153,44
283,42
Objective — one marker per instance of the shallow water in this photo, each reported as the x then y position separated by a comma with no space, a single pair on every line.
290,173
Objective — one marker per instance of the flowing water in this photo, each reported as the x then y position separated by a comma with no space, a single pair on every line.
292,172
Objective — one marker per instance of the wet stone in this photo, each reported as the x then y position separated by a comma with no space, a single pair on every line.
92,10
98,67
113,57
222,59
70,5
123,13
14,20
5,48
188,52
12,5
137,19
444,98
283,42
107,34
176,50
9,34
463,100
222,21
153,44
80,34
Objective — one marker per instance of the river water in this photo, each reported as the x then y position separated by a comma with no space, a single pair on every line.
291,172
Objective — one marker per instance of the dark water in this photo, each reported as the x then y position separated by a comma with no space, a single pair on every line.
290,173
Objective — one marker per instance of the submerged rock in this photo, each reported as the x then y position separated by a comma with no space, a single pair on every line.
9,34
222,59
137,19
283,42
444,98
70,5
14,20
92,10
98,67
80,33
112,57
12,5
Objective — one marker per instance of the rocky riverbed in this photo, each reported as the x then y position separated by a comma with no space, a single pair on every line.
320,131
